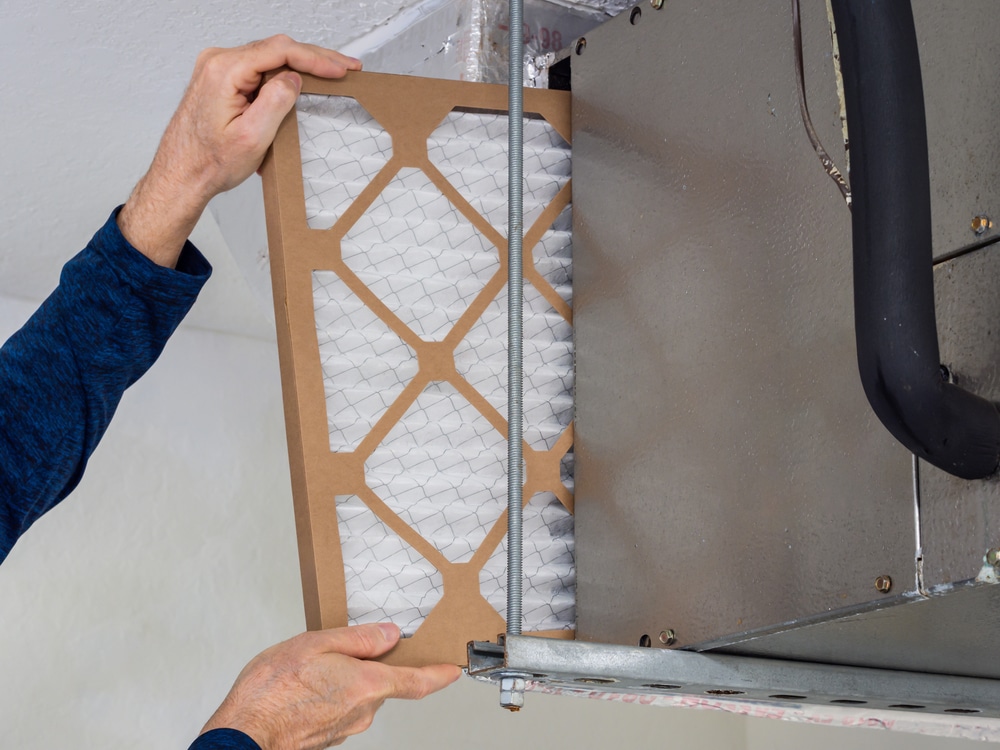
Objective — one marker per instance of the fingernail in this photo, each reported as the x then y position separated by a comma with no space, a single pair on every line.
389,631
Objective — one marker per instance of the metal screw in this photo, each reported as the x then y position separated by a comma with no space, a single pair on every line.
883,584
993,557
512,693
668,637
581,45
980,224
657,4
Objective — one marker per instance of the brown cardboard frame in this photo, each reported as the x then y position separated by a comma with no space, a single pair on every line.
409,109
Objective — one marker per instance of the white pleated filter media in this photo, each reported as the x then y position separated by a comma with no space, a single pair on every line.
441,468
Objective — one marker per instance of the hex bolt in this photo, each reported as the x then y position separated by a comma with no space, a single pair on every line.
512,693
980,224
993,557
883,584
668,637
657,4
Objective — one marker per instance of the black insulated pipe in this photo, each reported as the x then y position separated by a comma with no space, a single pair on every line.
895,324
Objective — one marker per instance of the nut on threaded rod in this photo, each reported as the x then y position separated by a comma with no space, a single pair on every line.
512,693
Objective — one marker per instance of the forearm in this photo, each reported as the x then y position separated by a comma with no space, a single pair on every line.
64,372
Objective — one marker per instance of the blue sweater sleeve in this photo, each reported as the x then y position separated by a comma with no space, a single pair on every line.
224,739
63,374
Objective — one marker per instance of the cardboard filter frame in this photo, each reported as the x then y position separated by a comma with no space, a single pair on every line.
409,109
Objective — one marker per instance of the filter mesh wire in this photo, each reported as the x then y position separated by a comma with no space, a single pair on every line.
441,468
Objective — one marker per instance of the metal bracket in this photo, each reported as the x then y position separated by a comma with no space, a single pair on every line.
577,665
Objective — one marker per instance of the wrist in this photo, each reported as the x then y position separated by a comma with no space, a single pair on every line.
159,216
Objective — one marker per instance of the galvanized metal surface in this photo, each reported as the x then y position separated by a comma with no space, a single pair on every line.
643,671
959,55
730,474
960,521
954,632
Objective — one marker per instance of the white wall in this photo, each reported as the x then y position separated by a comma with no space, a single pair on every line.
127,612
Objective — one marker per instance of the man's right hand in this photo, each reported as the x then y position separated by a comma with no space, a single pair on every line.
318,688
218,136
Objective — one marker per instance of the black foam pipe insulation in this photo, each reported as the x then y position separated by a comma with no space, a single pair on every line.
895,324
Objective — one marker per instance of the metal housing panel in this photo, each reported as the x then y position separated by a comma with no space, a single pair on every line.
730,474
959,520
952,632
959,53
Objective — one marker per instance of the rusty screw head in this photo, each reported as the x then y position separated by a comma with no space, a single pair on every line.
993,557
657,4
980,224
668,637
883,584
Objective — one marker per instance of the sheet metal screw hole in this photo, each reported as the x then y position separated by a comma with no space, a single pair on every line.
595,680
849,702
661,686
784,697
962,711
581,45
724,692
907,706
645,641
635,16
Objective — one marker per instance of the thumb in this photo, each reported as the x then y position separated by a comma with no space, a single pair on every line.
273,102
360,641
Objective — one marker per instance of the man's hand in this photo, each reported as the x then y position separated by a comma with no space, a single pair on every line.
315,690
218,136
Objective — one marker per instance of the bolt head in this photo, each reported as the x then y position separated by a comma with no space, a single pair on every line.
993,557
657,4
668,637
980,224
883,584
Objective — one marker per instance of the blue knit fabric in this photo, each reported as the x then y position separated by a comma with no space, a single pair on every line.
63,374
224,739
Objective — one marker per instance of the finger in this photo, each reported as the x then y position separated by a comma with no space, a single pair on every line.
360,641
273,102
278,51
418,682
